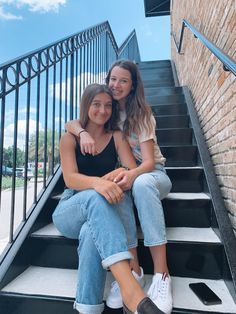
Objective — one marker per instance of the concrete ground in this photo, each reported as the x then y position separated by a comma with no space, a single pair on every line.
5,209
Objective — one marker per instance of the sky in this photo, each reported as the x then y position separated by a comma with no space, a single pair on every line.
26,25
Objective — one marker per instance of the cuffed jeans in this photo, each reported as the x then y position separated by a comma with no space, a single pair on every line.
148,190
87,216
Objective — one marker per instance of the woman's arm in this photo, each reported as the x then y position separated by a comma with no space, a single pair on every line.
123,174
75,180
87,143
148,161
74,127
124,151
147,165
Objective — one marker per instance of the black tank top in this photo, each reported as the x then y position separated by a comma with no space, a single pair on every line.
99,164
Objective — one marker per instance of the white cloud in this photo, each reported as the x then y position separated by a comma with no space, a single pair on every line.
87,76
8,16
9,133
10,114
42,6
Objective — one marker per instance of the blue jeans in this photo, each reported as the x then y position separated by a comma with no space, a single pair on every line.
148,190
87,216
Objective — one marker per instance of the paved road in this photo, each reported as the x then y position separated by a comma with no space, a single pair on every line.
5,210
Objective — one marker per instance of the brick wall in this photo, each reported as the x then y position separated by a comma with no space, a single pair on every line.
213,89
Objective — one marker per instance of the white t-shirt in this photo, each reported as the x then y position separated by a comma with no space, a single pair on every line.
135,140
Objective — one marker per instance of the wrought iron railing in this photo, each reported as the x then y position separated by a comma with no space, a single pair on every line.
228,63
39,92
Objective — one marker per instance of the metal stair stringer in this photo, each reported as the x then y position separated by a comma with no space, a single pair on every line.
7,269
224,225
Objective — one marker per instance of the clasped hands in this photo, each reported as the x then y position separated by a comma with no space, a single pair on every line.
114,182
113,185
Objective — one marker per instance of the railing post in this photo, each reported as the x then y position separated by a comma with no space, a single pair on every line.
181,37
72,62
2,125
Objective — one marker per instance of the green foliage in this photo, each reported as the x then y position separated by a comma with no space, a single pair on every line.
41,146
7,182
8,157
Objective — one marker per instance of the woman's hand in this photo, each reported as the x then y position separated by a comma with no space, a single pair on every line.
87,144
110,190
125,179
113,174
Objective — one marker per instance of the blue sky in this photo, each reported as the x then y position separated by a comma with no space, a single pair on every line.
26,25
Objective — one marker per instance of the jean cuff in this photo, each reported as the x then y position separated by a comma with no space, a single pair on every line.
89,309
133,245
107,262
155,243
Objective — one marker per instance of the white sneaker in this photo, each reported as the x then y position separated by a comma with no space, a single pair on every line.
160,292
114,298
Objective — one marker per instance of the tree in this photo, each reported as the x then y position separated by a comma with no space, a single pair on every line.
8,157
41,147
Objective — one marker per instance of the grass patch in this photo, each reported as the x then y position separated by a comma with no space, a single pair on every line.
7,182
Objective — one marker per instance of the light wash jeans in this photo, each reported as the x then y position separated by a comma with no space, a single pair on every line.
87,216
148,190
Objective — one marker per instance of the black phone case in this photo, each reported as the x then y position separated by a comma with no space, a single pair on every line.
204,293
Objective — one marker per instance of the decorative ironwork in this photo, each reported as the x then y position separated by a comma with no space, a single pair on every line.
42,90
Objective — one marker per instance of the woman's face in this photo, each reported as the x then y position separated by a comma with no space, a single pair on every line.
100,109
120,84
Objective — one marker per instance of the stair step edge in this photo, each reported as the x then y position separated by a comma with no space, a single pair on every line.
45,281
203,235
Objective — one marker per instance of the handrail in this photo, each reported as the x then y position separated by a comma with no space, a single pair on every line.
130,41
44,87
228,63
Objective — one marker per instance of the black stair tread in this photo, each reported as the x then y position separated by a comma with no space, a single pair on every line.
174,136
154,64
169,104
178,146
168,99
180,196
61,283
180,155
174,234
183,167
173,129
163,91
169,109
159,83
172,121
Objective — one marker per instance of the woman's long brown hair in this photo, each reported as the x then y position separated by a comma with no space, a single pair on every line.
137,110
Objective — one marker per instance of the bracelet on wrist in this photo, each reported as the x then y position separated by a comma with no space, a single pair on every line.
126,168
81,132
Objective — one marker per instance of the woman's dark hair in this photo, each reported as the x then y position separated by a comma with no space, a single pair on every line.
88,95
137,111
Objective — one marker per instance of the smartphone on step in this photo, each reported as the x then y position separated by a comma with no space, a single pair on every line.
204,293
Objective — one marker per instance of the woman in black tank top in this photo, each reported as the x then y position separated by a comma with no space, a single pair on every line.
88,208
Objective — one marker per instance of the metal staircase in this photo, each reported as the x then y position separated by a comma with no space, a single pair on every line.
42,276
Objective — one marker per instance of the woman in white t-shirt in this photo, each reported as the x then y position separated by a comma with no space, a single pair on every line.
149,181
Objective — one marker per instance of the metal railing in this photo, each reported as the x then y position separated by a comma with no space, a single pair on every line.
39,92
228,63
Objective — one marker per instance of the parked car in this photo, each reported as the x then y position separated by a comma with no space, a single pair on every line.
20,173
6,171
